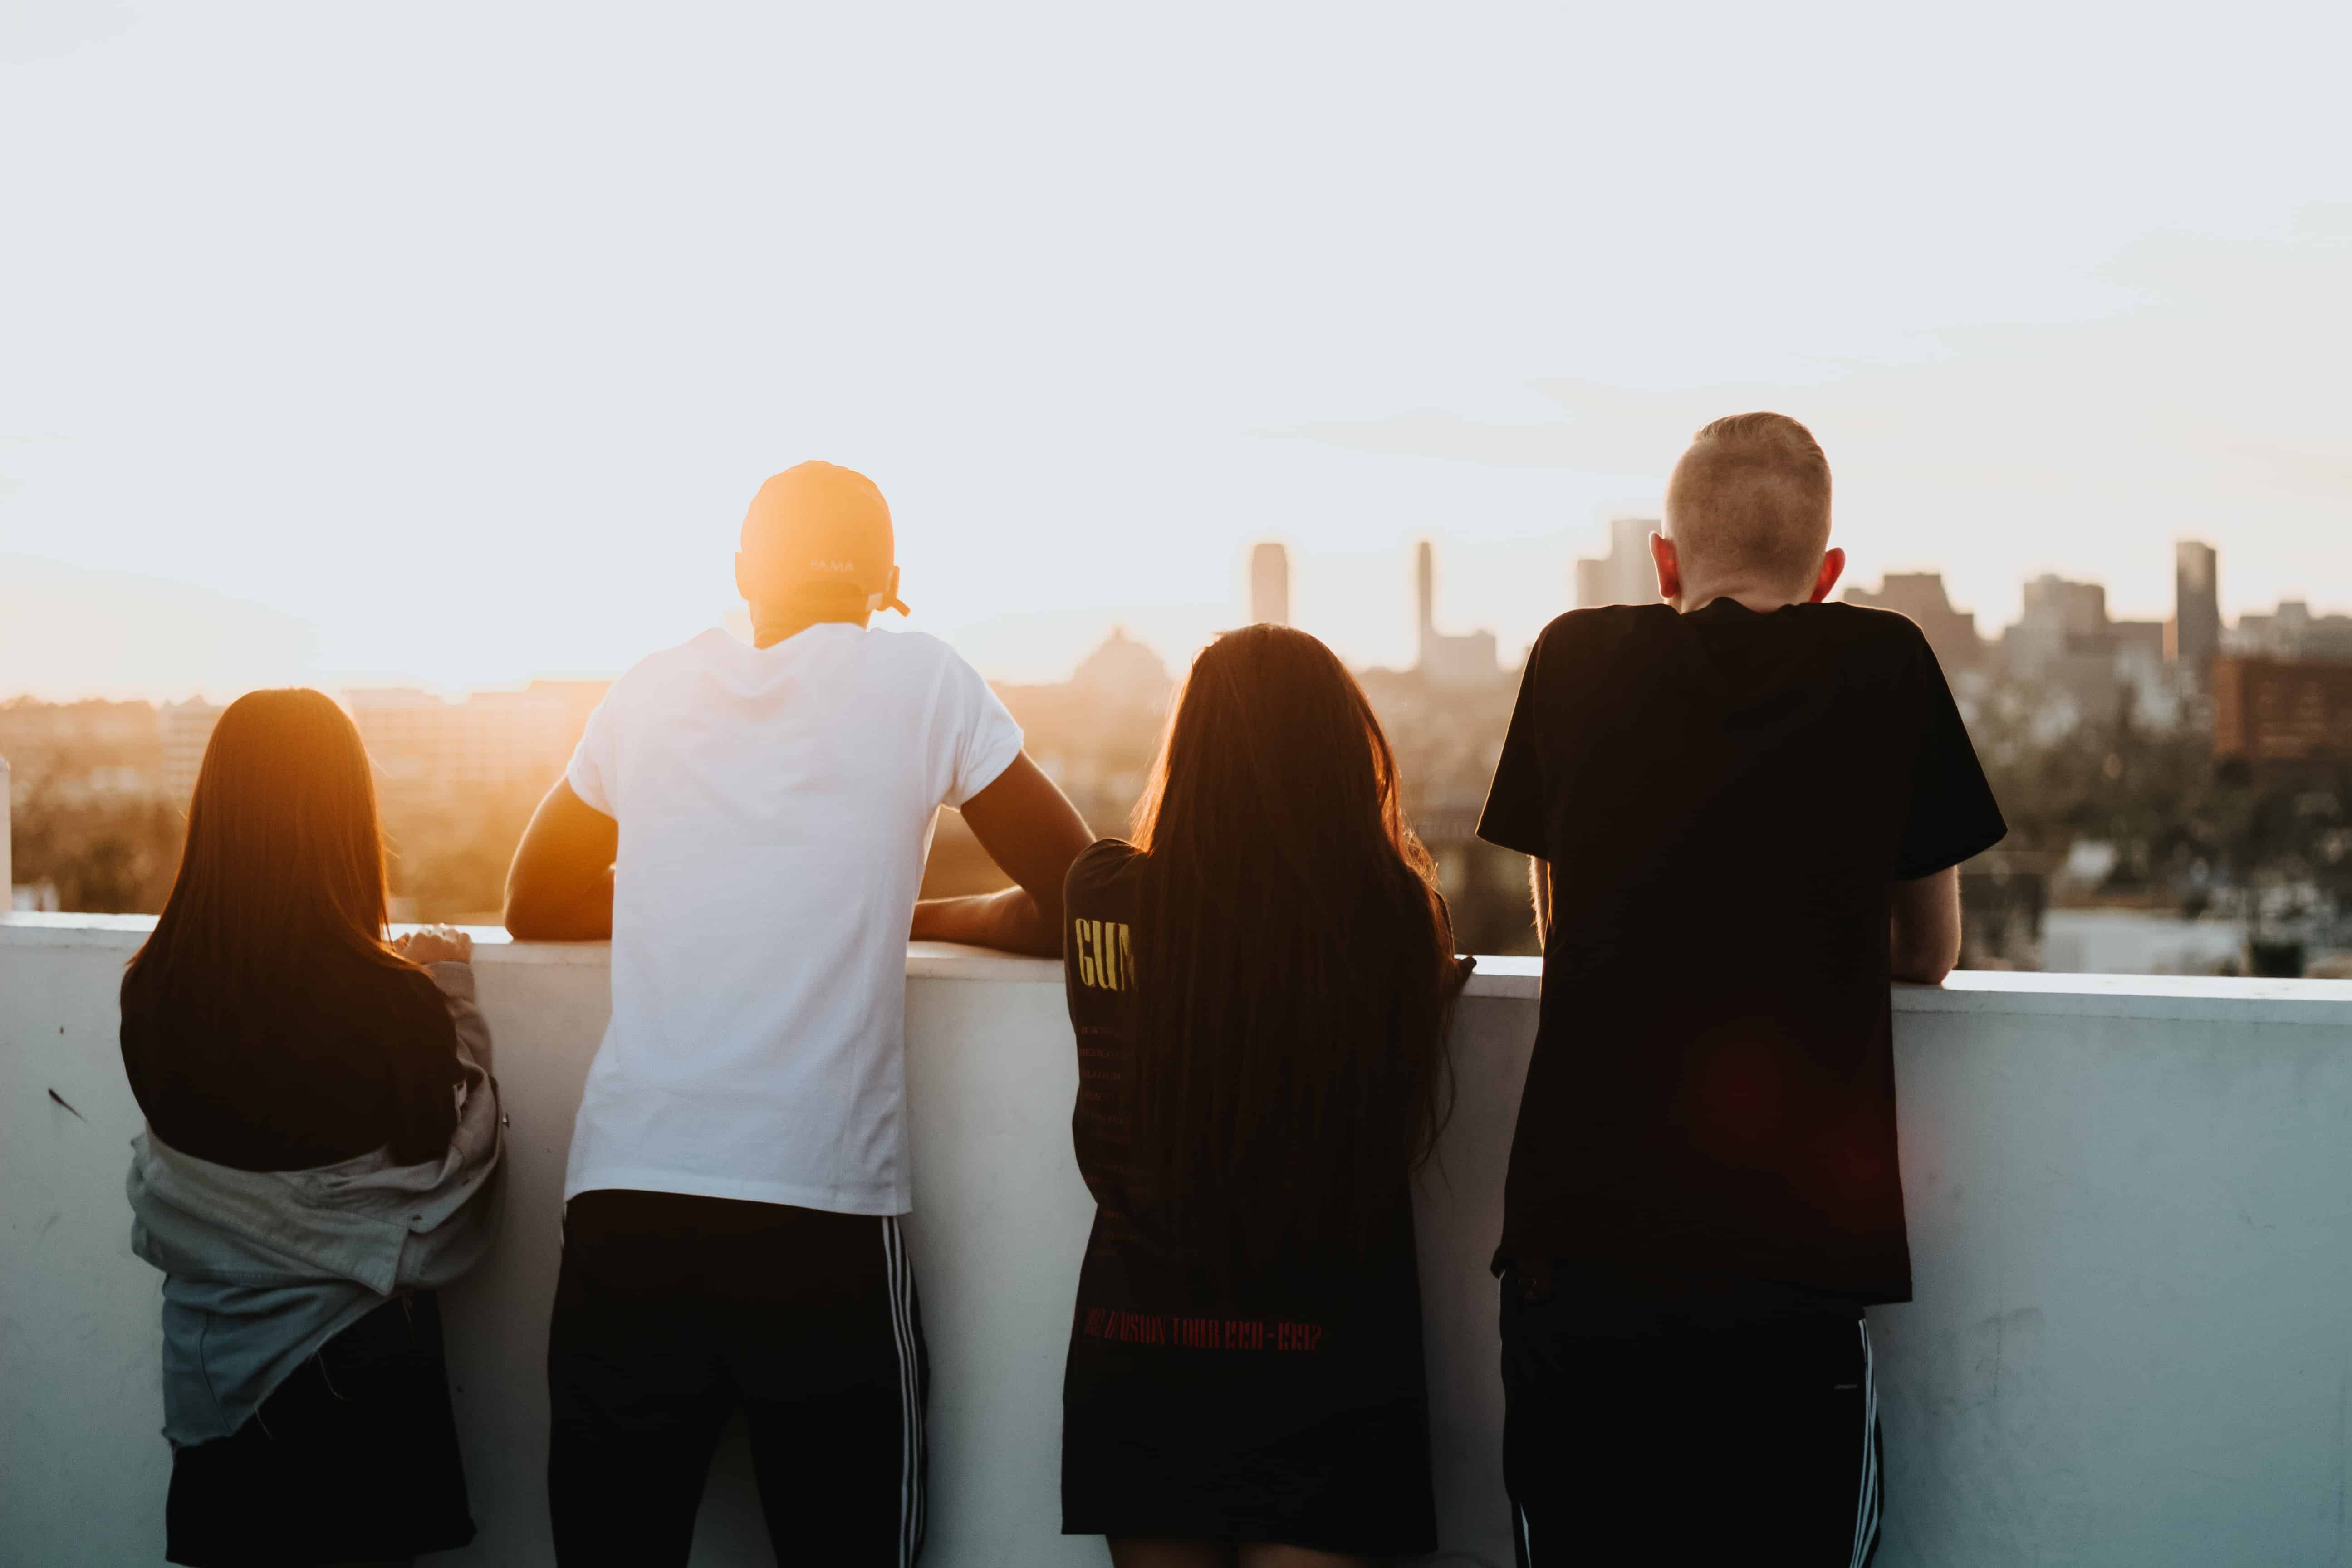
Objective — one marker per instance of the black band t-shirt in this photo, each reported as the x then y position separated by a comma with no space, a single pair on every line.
1285,1401
1724,797
1146,1283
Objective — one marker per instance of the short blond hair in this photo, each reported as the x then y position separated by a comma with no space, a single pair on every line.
1751,496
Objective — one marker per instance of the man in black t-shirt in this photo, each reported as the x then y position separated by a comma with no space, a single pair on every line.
1746,808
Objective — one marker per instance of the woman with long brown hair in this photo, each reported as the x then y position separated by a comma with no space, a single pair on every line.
1259,984
320,1152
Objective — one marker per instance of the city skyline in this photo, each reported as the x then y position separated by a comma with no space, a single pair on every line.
264,641
2261,705
2059,616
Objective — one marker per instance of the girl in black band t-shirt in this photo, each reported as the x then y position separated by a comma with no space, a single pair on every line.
1258,987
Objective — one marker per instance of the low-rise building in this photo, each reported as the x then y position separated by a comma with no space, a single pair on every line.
2268,710
2292,634
187,729
1951,632
490,739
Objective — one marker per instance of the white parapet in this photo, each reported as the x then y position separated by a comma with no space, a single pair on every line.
2131,1216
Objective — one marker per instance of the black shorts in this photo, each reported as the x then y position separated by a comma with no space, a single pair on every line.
1357,1483
671,1313
1212,1445
355,1457
1642,1428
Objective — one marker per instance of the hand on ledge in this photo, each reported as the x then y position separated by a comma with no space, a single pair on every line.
434,945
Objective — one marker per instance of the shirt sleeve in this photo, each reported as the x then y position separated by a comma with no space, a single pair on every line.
1951,815
1514,814
1082,898
980,735
595,768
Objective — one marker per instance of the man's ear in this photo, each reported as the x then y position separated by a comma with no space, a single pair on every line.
1670,567
1832,567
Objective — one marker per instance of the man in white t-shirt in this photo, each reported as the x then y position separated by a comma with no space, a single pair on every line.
748,825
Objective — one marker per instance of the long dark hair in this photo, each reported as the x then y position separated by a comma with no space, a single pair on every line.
284,855
1295,959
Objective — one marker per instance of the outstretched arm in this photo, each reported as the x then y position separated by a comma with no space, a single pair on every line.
1033,832
559,888
1540,890
1924,932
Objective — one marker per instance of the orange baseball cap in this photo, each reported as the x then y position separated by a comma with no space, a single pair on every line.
818,523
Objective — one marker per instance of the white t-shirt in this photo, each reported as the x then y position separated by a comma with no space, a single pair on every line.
775,807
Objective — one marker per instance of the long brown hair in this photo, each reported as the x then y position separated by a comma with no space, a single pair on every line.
1295,958
284,853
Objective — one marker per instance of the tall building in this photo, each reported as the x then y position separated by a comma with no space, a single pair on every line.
1270,584
1920,595
1626,575
1448,661
2061,619
1424,590
2193,636
2094,670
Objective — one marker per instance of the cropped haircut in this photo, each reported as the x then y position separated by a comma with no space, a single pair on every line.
1751,497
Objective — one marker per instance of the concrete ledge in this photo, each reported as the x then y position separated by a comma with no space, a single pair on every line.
1968,990
2131,1222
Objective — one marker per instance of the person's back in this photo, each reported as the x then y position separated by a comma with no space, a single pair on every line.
748,825
1258,987
1728,795
322,1151
775,806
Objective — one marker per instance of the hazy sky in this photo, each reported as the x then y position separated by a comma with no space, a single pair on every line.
448,342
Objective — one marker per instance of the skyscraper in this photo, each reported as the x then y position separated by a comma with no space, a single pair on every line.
2194,635
1445,661
1424,582
1626,575
1270,584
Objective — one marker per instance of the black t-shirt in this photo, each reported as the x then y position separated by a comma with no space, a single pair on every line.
1304,1336
341,1058
1724,797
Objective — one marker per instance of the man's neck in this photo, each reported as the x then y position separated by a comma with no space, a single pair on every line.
1763,601
770,624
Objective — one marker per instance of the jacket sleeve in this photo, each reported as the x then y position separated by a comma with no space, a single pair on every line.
457,982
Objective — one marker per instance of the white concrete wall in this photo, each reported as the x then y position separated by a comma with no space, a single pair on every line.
2131,1213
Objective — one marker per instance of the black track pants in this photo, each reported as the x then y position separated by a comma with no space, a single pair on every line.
1655,1431
671,1312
